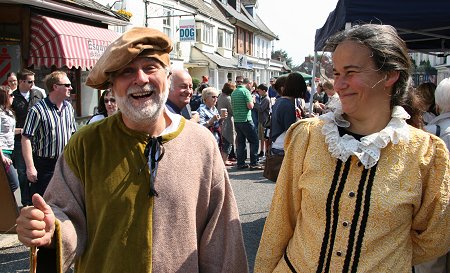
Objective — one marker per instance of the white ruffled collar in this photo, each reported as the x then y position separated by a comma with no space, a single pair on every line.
369,147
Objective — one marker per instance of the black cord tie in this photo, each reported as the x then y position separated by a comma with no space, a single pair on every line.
154,152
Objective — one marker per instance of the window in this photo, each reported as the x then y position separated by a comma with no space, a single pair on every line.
258,49
167,22
264,49
205,34
224,39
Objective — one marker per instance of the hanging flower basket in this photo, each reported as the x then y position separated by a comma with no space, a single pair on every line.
125,13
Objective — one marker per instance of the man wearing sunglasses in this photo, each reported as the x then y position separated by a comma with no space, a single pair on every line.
124,198
48,127
25,97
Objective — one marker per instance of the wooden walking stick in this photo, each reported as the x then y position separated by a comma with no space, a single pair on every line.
33,259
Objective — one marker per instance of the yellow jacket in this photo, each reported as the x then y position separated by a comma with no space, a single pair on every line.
333,216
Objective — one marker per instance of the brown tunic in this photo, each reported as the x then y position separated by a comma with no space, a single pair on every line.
108,221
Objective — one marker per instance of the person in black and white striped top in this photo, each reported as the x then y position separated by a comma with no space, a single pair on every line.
48,127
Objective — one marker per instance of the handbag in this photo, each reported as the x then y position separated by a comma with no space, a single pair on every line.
272,166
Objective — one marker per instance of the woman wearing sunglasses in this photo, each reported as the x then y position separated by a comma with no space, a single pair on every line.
106,106
209,115
7,132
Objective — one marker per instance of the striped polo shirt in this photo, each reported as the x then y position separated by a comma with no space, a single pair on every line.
49,128
239,99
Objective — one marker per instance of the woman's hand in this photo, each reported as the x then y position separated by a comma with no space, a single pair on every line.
215,118
223,115
6,161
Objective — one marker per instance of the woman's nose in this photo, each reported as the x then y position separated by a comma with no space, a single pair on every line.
340,84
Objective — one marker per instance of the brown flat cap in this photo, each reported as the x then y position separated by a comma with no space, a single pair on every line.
138,41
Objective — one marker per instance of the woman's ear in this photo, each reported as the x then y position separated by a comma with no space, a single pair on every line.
391,78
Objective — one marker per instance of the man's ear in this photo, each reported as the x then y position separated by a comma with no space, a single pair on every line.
391,78
169,81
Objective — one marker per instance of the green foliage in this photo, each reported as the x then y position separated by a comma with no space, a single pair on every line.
282,55
195,83
425,66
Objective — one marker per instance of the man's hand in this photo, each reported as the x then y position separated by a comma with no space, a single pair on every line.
36,224
195,117
32,174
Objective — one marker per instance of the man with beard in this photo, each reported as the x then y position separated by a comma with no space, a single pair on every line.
119,200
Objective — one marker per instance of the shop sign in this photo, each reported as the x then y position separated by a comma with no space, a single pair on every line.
187,30
96,49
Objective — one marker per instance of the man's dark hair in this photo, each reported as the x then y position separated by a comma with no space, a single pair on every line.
262,86
24,73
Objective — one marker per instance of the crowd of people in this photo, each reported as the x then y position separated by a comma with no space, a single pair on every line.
364,185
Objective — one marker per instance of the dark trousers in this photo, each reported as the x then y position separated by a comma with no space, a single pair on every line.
45,168
246,131
19,163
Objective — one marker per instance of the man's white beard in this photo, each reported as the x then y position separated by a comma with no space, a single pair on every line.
142,112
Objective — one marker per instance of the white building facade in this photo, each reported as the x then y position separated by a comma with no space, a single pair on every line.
213,52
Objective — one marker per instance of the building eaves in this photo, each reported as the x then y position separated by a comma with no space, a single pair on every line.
248,2
286,67
207,10
94,6
219,60
263,28
234,14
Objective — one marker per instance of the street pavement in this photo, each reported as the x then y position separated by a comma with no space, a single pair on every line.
253,195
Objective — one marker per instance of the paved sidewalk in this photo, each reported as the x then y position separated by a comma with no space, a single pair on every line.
9,240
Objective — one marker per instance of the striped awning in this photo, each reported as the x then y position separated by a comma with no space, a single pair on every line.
63,43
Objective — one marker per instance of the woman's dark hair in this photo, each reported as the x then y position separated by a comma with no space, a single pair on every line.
295,86
202,86
425,91
279,84
228,88
101,108
4,97
389,53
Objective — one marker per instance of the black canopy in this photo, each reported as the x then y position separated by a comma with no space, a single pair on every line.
423,24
